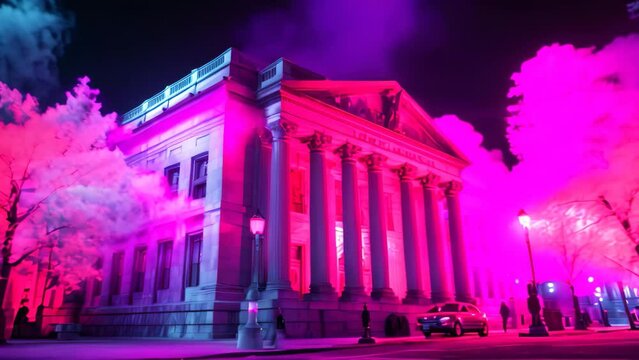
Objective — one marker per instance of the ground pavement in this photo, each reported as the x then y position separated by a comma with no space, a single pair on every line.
574,344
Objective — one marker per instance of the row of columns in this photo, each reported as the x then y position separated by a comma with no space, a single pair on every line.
278,282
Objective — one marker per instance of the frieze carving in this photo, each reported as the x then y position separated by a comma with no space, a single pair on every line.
430,181
281,129
317,141
405,172
381,108
452,188
347,151
374,161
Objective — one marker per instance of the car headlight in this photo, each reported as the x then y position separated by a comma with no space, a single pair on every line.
444,319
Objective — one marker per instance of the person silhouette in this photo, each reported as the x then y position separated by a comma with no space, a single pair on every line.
504,311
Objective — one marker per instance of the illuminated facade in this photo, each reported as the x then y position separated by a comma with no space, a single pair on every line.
359,191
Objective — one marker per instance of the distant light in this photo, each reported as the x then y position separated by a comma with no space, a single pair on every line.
601,299
551,290
591,279
524,219
550,285
517,281
598,289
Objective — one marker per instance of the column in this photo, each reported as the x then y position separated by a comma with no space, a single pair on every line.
279,223
322,251
379,248
414,291
353,273
458,247
439,278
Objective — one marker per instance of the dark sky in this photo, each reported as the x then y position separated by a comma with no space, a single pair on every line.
457,57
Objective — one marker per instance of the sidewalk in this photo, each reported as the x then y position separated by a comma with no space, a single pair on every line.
153,348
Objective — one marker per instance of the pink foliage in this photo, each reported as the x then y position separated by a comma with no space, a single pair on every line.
84,193
574,126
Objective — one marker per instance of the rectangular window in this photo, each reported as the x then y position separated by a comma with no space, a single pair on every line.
139,267
389,212
195,258
199,165
117,269
172,175
164,264
297,191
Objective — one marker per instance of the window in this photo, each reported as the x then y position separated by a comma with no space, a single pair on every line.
199,170
389,212
172,175
139,267
297,191
117,267
164,264
194,259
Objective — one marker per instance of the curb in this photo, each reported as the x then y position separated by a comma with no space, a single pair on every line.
316,349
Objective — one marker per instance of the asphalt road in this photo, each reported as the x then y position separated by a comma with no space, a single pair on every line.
611,345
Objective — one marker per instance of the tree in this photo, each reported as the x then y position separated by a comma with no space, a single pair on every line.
63,187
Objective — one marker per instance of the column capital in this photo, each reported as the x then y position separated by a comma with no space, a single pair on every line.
281,129
430,181
317,141
374,161
452,188
405,172
347,151
265,136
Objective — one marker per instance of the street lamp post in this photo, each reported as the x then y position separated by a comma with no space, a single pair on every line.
537,327
249,335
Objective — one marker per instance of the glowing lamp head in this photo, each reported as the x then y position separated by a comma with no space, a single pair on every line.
257,224
252,307
591,279
517,281
524,219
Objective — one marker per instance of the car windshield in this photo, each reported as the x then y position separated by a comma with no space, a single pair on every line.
444,308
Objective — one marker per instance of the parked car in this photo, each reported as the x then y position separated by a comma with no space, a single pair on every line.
455,319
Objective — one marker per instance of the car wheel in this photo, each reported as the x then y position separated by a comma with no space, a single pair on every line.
484,330
457,330
426,335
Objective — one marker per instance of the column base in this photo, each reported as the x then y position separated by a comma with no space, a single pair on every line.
385,295
415,297
322,292
273,293
354,294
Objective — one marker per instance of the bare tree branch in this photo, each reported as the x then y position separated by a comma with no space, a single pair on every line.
27,254
622,266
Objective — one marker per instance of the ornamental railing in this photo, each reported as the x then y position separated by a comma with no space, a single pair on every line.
188,83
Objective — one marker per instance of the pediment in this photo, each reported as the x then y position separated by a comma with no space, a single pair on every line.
383,103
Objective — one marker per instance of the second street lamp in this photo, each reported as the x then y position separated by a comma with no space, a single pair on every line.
537,327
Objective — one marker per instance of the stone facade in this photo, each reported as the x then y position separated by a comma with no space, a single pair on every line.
359,191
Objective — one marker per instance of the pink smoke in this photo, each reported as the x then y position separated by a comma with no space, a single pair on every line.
574,126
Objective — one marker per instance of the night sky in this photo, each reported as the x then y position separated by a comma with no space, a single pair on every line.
455,56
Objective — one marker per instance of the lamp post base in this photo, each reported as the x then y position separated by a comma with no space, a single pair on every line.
249,337
534,331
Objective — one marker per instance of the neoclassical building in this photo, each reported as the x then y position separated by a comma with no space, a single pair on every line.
359,191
